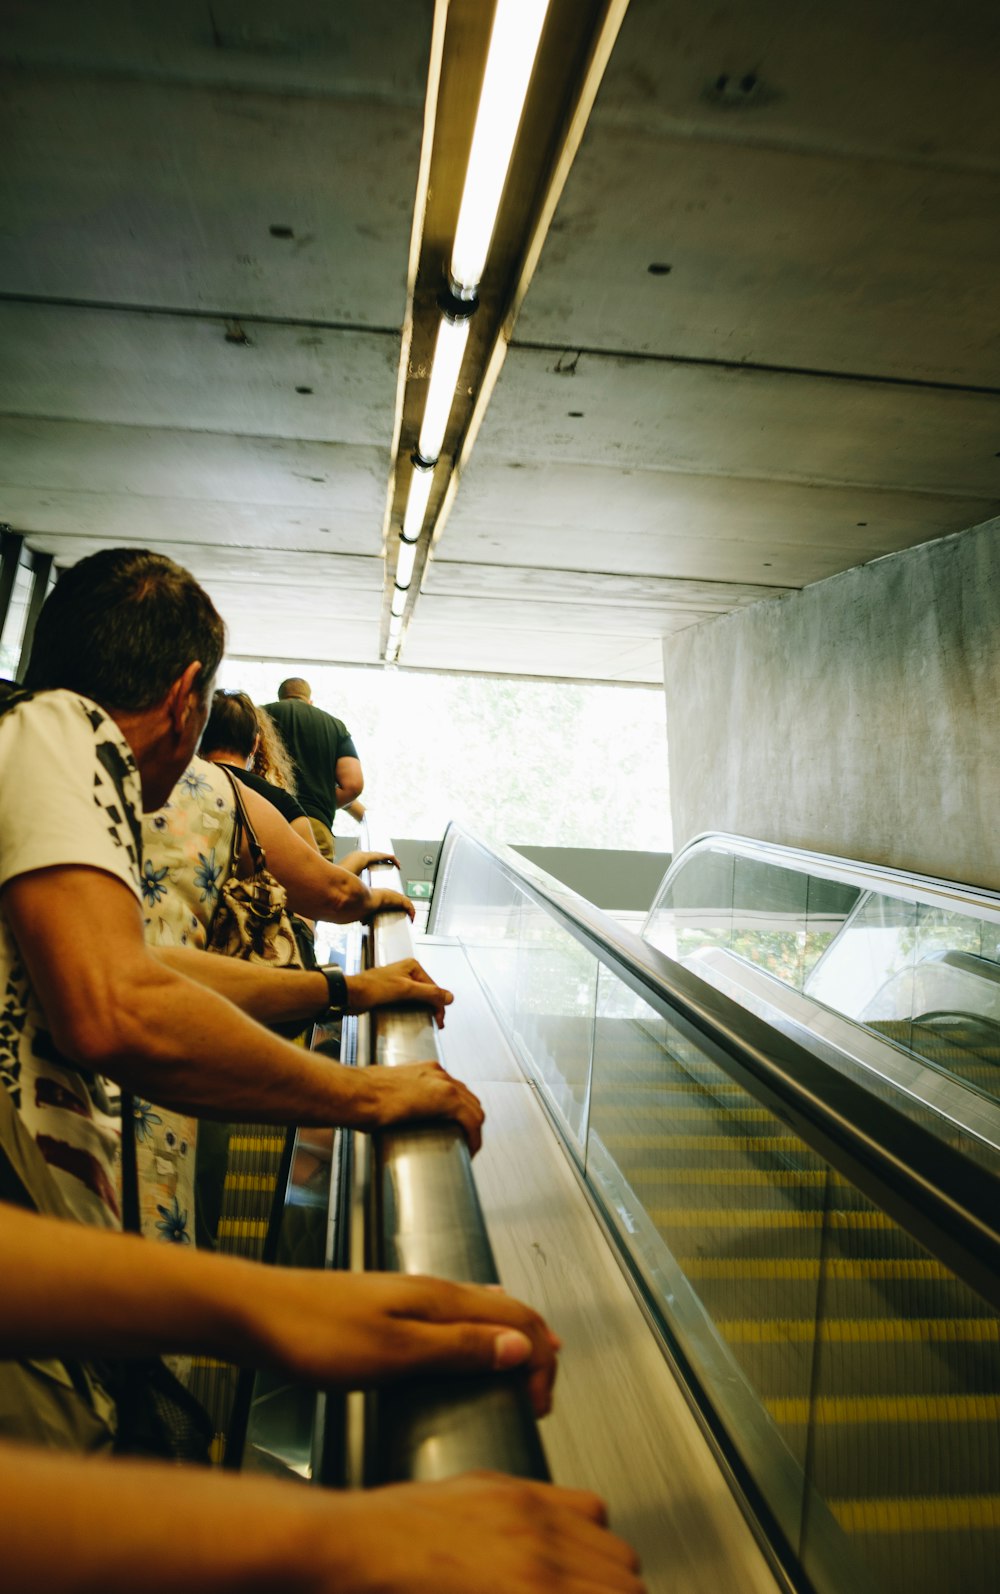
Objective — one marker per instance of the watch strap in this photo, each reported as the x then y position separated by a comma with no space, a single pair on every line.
336,984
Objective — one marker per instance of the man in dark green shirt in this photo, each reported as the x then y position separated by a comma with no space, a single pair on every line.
327,767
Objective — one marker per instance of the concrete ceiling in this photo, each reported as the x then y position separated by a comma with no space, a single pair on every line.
810,378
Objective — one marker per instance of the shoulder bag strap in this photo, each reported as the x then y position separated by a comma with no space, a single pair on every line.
243,827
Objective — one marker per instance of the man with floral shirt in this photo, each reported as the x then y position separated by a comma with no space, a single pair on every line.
124,658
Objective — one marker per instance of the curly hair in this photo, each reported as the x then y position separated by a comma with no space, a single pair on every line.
272,760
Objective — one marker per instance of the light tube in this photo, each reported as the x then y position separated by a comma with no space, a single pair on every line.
416,503
449,349
404,562
517,28
398,603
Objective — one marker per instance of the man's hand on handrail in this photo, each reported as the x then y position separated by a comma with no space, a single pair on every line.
405,981
354,1330
412,1091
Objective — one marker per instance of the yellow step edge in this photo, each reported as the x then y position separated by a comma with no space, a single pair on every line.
863,1331
886,1408
783,1178
808,1267
743,1115
242,1229
680,1087
749,1218
924,1514
263,1182
668,1142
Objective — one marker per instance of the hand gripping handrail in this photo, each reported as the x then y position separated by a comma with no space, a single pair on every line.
426,1218
948,1201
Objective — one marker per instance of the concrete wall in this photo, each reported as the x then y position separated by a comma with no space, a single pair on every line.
860,716
609,877
606,876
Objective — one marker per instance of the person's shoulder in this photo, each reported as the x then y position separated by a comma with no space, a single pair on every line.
57,709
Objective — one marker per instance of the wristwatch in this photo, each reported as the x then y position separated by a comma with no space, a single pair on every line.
336,984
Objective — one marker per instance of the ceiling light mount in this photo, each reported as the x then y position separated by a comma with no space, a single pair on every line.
458,303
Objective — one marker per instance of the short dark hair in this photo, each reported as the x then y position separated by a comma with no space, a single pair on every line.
121,626
295,686
232,725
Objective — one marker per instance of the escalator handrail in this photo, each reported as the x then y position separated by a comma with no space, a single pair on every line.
951,896
426,1218
947,1201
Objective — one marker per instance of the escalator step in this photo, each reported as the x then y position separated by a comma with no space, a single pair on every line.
870,1409
874,1331
259,1183
810,1267
741,1143
242,1229
762,1218
921,1514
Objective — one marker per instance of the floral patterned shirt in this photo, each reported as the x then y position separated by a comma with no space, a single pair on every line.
187,854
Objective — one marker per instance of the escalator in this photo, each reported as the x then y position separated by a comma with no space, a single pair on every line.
801,1203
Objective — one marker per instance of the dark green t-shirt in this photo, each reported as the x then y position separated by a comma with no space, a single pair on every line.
315,741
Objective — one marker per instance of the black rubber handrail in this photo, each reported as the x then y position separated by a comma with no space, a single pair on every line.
947,1201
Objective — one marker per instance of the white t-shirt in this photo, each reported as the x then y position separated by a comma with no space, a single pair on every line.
69,794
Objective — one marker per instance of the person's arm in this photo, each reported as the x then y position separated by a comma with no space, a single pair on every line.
350,782
351,1330
272,996
72,1526
303,828
316,888
112,1007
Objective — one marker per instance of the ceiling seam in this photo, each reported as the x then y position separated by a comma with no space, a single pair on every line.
176,312
752,366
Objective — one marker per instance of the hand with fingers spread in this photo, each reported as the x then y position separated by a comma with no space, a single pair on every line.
355,1330
380,901
484,1533
354,862
405,981
415,1091
477,1534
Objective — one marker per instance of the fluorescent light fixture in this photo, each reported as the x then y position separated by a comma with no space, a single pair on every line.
517,28
404,563
398,603
449,349
416,503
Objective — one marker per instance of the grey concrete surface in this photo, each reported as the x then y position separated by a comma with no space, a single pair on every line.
858,716
610,877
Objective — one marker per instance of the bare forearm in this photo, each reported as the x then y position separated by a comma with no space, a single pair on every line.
104,1284
240,1536
268,995
316,888
229,1067
106,1527
348,903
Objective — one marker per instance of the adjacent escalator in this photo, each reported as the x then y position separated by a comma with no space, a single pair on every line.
809,1211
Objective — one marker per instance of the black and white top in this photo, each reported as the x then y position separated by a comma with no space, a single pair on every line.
69,795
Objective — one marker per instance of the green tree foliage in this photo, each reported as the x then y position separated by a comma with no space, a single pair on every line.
539,763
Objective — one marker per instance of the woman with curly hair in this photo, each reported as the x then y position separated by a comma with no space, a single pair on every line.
270,759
